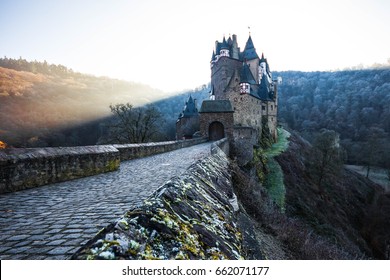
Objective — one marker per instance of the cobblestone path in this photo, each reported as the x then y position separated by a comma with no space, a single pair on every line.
53,221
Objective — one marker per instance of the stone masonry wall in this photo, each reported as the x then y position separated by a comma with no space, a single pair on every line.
186,127
193,216
225,118
247,109
245,138
132,151
28,168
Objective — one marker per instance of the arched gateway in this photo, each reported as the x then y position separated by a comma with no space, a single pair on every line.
216,119
216,131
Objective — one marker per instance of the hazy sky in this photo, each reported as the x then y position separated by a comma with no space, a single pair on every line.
168,44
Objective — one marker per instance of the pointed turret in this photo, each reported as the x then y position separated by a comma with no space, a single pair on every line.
213,56
250,51
230,41
262,59
224,45
224,48
189,109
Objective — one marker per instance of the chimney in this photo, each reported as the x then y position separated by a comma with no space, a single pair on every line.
235,48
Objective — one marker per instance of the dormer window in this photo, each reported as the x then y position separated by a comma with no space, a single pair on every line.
244,88
224,52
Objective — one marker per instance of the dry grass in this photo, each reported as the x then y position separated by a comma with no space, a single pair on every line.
377,175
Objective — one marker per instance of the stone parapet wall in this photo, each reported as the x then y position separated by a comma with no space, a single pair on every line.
193,216
28,168
221,145
132,151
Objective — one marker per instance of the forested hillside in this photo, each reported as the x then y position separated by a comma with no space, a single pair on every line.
43,104
356,104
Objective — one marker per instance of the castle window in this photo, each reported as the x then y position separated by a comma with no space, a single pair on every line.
224,53
272,107
244,88
263,107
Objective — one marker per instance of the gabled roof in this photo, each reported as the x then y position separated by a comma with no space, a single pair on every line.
246,75
216,106
249,51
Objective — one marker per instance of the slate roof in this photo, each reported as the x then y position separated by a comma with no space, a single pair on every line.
216,106
224,45
264,91
189,109
262,58
246,75
249,51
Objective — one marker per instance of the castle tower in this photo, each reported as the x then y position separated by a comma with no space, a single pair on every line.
188,122
245,80
224,49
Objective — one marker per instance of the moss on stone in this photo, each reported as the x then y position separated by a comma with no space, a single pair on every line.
113,165
188,218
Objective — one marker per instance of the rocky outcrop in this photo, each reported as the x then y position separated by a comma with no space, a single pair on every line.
190,217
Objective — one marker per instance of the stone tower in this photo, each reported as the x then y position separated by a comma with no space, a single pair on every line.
188,122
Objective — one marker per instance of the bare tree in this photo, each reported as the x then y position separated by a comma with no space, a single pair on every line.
133,125
374,148
325,158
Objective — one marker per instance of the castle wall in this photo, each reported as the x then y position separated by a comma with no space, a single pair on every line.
269,110
221,73
247,109
186,127
225,118
132,151
242,145
28,168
